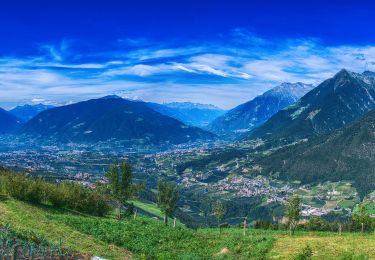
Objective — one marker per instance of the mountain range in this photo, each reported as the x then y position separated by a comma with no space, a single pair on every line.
346,154
27,112
329,132
194,114
333,104
111,118
256,111
8,122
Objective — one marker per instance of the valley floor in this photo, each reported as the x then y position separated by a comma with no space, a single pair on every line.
146,237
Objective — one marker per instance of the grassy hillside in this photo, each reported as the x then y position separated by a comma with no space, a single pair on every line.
148,207
145,237
153,210
140,238
23,218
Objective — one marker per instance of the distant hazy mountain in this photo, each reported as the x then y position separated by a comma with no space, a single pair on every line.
111,118
331,105
255,112
190,113
26,112
8,122
346,154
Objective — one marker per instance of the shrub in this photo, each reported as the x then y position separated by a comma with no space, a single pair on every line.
36,191
15,186
305,254
63,195
319,224
75,197
262,224
56,196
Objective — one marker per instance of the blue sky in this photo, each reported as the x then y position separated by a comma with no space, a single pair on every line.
218,52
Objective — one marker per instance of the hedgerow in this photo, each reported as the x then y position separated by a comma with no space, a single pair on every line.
61,195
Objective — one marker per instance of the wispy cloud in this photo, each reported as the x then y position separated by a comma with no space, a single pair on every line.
225,71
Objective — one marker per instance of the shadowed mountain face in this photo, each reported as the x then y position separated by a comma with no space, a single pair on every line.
8,122
333,104
255,112
346,154
190,113
111,118
27,112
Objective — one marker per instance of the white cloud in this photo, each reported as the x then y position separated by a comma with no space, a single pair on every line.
222,74
79,66
38,100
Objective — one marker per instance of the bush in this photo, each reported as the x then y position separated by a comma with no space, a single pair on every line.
16,186
305,254
319,224
262,224
74,196
62,195
56,196
265,224
36,190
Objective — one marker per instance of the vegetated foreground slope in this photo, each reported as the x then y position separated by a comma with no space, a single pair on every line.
145,237
346,154
25,218
333,104
111,118
255,112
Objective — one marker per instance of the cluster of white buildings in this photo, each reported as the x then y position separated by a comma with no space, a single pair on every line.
249,187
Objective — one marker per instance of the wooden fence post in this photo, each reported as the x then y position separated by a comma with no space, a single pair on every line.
244,226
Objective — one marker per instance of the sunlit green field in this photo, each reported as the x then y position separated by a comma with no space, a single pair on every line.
145,237
325,245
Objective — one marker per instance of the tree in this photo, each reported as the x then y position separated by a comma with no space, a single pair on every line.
362,217
167,198
293,212
120,182
219,212
206,210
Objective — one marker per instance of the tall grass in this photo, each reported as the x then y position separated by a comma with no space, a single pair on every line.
27,245
151,239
